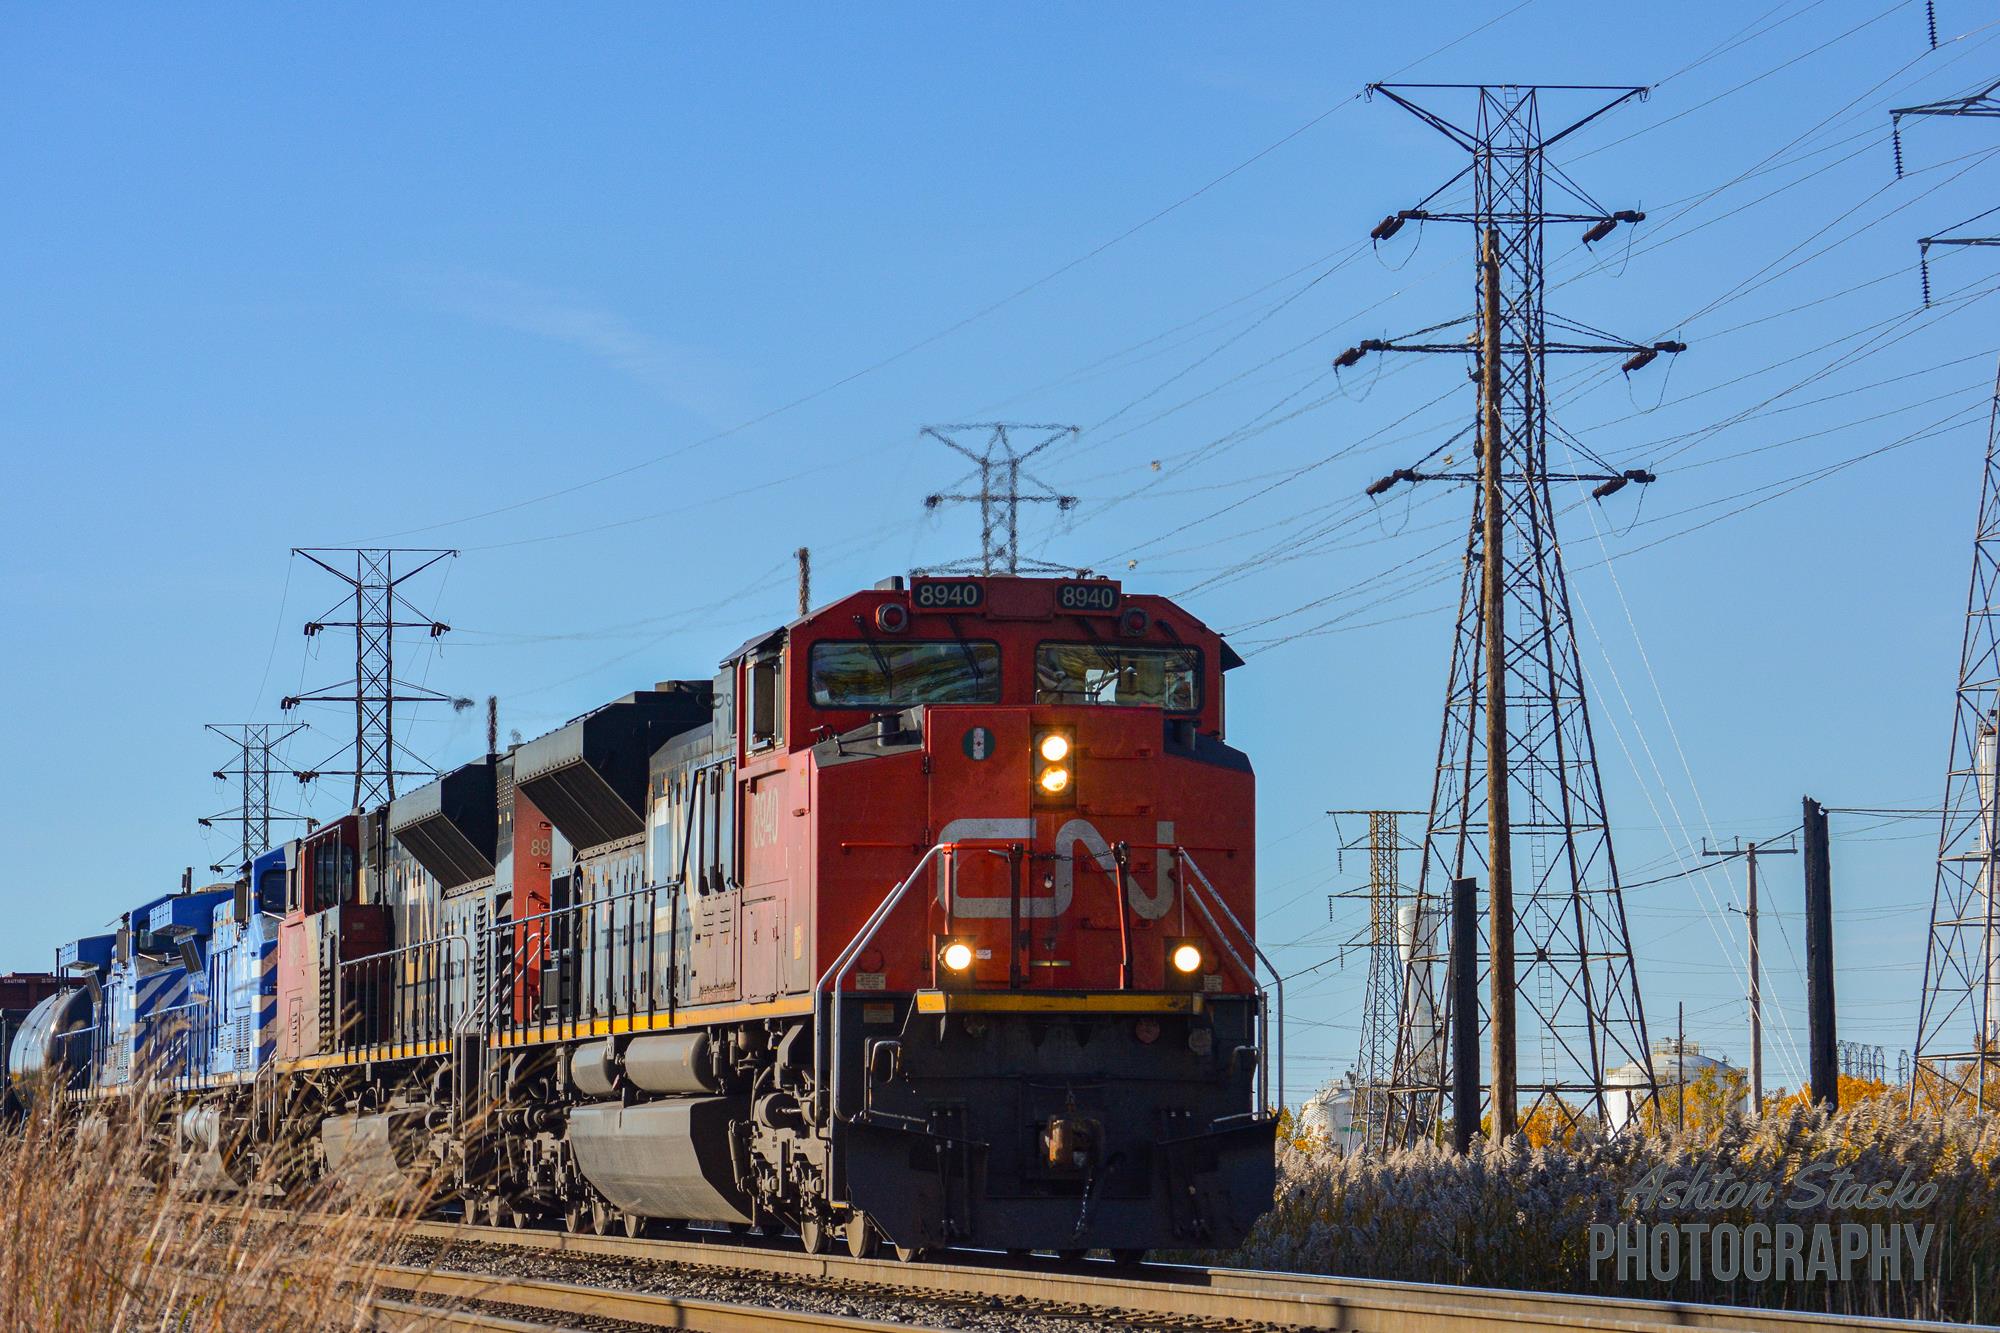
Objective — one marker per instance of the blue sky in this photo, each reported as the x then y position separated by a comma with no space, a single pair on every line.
627,302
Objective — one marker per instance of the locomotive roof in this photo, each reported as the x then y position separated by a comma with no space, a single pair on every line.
1229,660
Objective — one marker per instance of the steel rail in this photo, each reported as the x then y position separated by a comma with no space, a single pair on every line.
571,1300
1171,1291
410,1317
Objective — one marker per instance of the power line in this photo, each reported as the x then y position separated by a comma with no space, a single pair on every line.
956,326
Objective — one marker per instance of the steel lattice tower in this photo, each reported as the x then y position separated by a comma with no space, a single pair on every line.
1958,1046
1518,801
377,608
255,744
1382,993
1000,496
1958,1018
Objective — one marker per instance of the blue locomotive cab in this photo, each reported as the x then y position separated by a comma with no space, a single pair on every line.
240,1025
157,983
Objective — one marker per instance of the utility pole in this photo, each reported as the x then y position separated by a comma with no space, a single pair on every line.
1382,937
805,558
255,744
1000,472
376,608
1958,1016
1499,825
1750,853
1681,1061
1463,969
1822,1041
1517,785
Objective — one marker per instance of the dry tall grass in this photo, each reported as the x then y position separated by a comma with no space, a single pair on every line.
1519,1216
94,1236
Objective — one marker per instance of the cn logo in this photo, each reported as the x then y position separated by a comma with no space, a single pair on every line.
1078,839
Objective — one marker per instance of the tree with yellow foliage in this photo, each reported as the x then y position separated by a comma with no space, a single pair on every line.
1701,1106
1853,1092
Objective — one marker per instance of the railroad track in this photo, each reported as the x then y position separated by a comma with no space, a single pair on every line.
461,1292
1159,1295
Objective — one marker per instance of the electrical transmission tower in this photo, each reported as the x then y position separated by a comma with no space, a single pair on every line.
255,743
1517,799
1979,105
1000,497
377,609
1958,1017
1860,1060
1384,936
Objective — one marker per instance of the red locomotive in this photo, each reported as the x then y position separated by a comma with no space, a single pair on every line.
928,920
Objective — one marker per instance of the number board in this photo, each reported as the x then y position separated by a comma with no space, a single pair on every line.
1096,597
946,594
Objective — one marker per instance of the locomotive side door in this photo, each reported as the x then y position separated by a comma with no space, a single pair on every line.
772,832
713,950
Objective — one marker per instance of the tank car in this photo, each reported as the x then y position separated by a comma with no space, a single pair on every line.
55,1044
20,994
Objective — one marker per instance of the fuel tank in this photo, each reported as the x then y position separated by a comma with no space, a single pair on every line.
669,1158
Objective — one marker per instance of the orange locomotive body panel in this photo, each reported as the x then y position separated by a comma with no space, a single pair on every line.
325,923
840,835
528,839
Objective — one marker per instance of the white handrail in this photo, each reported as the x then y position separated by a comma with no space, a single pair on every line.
442,944
1267,1055
826,1072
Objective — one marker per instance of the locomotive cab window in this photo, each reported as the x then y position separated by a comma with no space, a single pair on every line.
767,700
1096,673
900,674
272,890
330,872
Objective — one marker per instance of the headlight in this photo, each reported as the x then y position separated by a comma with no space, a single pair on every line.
1186,962
1053,779
957,956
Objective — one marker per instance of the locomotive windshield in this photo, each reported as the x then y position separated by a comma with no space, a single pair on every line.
900,674
1097,673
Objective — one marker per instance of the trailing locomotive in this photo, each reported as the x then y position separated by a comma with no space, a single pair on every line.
927,920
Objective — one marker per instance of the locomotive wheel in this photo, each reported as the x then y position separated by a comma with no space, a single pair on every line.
600,1218
635,1225
493,1211
812,1233
862,1238
573,1219
909,1254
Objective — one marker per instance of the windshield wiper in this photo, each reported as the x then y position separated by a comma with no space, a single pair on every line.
965,649
881,663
